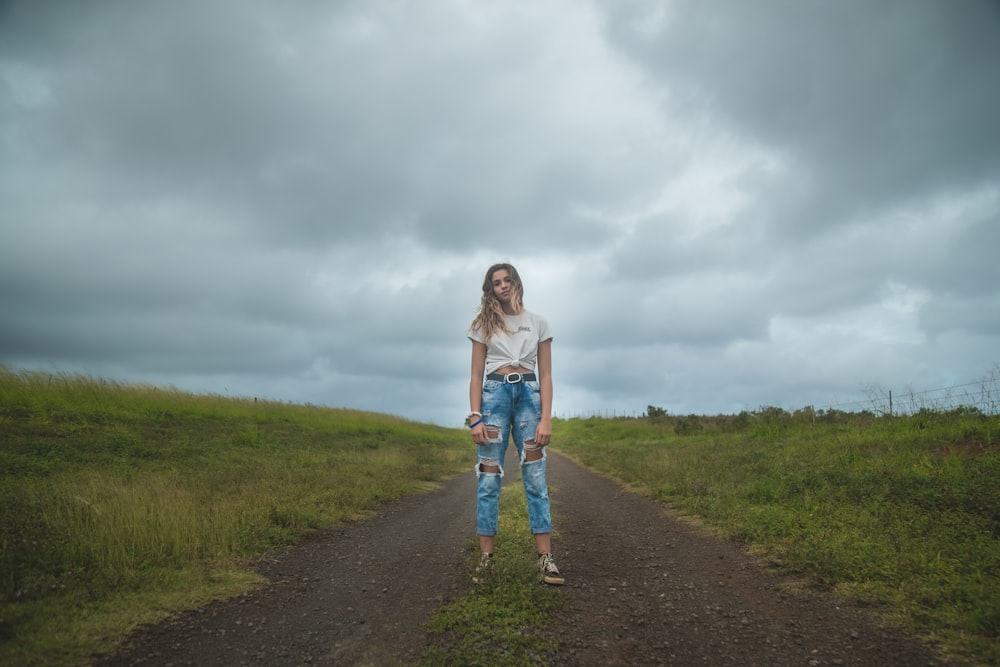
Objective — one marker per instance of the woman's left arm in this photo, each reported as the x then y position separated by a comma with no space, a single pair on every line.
543,434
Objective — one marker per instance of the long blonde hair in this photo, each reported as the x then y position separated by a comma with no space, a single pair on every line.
490,318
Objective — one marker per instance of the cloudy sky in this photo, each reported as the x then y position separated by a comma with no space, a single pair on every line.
718,205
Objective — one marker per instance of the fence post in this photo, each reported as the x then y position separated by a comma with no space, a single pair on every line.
890,402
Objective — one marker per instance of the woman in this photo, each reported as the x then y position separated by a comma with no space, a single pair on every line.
512,349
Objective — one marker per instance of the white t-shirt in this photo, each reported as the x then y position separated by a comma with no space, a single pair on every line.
518,349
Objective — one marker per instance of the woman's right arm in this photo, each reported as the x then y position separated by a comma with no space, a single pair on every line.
476,382
476,388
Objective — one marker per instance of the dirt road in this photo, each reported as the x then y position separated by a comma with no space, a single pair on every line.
642,589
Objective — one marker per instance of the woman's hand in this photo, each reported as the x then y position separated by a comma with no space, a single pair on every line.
543,433
479,434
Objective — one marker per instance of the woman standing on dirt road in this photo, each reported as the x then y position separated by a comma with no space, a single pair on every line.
512,348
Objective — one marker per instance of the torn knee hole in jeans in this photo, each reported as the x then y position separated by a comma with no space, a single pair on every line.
532,452
492,433
490,466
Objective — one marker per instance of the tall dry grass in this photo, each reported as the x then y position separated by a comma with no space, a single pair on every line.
120,502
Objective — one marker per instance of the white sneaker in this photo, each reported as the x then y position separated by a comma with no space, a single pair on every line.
550,573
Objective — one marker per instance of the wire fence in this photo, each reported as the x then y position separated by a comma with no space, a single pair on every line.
609,413
982,395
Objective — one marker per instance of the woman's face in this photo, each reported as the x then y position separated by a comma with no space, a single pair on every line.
503,285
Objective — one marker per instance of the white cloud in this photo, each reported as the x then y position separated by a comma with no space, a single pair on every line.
298,201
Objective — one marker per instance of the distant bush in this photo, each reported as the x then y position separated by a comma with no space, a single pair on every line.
655,413
689,425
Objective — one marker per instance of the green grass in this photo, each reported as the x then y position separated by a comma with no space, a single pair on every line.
503,621
122,503
898,512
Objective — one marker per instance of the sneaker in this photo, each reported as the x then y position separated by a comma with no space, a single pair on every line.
483,569
550,573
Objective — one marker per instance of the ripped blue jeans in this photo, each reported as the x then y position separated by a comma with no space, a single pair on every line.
511,409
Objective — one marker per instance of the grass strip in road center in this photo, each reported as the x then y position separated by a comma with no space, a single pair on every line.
503,621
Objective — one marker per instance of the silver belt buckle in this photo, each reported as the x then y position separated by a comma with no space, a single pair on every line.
512,378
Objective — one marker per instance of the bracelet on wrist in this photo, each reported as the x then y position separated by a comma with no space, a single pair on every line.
476,423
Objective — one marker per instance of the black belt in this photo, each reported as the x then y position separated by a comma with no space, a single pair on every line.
512,378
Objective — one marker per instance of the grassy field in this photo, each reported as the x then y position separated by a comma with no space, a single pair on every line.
119,503
898,512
